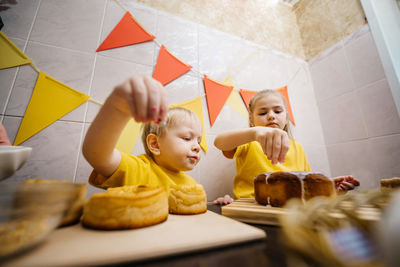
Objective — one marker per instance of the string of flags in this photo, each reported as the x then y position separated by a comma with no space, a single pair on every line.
52,99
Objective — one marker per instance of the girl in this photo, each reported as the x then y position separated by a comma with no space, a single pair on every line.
267,146
170,149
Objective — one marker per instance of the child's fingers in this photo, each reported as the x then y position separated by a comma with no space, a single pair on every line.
268,145
276,148
153,99
284,148
139,95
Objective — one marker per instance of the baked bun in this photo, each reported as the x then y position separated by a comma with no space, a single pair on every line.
126,207
390,184
277,188
75,211
187,199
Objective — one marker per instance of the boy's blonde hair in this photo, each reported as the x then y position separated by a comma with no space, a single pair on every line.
174,116
266,92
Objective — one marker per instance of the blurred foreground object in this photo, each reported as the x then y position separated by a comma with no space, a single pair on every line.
12,158
390,184
29,212
341,231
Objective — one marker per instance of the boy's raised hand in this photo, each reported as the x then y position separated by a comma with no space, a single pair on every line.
274,142
144,98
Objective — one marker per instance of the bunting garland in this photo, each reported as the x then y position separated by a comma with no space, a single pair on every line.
51,99
168,67
127,32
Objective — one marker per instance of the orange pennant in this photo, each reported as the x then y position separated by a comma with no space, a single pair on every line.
168,67
216,95
247,95
127,32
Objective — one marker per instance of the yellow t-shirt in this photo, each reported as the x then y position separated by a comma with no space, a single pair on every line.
135,170
251,161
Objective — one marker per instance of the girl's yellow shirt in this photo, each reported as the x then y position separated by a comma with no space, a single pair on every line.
251,161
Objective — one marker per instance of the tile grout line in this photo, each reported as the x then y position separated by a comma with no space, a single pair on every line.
17,72
89,93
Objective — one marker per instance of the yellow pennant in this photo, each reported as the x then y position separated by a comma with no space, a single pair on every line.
234,101
129,137
10,55
50,101
196,106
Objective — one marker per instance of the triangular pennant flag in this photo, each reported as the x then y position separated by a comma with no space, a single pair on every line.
50,101
216,95
10,55
234,101
196,106
127,32
285,94
247,95
168,67
129,137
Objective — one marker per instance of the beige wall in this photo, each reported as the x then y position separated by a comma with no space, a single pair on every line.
303,31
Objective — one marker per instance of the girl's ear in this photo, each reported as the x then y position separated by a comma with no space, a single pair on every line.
152,144
251,121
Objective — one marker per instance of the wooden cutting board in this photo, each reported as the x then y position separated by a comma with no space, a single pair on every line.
248,210
76,245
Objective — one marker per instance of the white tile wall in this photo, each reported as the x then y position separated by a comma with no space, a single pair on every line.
358,115
62,36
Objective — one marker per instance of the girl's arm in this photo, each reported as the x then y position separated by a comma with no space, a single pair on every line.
274,142
140,97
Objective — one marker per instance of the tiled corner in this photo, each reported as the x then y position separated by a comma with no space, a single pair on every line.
364,62
308,130
378,109
354,158
18,19
139,53
342,119
331,76
70,24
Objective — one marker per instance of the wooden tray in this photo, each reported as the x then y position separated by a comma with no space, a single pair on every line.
249,211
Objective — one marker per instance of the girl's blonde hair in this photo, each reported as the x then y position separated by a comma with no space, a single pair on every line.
174,116
266,92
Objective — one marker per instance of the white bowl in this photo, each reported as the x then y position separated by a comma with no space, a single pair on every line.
12,158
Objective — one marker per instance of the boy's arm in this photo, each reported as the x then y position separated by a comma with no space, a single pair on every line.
140,97
274,142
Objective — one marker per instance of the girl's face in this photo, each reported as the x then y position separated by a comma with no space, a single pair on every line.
269,111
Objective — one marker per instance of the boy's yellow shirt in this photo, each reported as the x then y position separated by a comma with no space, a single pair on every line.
136,170
251,161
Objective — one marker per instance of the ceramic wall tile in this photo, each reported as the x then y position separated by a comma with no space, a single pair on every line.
184,88
354,158
109,73
385,153
379,110
22,91
317,158
54,152
331,76
18,19
7,78
69,67
364,62
70,24
179,37
139,53
308,130
342,119
12,125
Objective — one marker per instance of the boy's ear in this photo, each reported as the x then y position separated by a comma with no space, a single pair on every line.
152,144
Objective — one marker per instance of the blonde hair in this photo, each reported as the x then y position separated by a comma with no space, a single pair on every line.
174,116
266,92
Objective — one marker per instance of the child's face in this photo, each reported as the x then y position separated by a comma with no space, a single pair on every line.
180,146
269,111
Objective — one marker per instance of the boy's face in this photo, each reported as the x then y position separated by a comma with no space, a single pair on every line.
180,146
269,111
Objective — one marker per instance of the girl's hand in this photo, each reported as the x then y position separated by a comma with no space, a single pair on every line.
274,142
223,200
345,183
141,97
